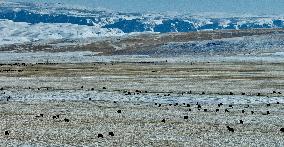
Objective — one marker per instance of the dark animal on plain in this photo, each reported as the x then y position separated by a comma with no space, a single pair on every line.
217,110
160,105
100,136
282,130
230,105
163,121
279,93
156,104
189,109
241,122
258,94
274,91
230,129
203,93
111,134
41,115
243,93
188,105
277,103
205,110
7,132
185,117
82,87
92,89
199,106
114,102
170,104
267,105
267,112
243,111
66,120
176,104
231,93
118,111
219,105
226,110
104,87
90,99
252,112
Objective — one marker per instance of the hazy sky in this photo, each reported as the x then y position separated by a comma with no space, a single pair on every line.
258,7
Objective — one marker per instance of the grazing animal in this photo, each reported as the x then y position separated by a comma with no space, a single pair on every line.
66,120
252,112
231,93
176,104
104,87
100,136
188,105
82,87
217,110
189,109
243,111
118,111
219,105
205,110
41,115
156,104
282,129
160,105
241,122
278,103
243,93
230,105
274,91
55,117
163,121
185,117
199,106
111,134
203,93
258,94
226,110
267,112
279,93
92,89
90,99
7,132
268,105
170,104
230,129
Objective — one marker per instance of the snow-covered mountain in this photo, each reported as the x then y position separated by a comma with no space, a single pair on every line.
25,22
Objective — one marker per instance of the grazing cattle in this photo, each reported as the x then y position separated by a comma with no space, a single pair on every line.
189,109
104,87
185,117
114,102
230,129
230,105
279,93
111,134
176,104
219,105
199,106
282,129
90,99
267,112
54,117
163,121
231,93
252,112
217,110
226,110
277,103
267,105
66,120
118,111
274,91
160,105
203,93
1,88
258,94
205,110
7,132
188,105
170,104
243,111
243,93
92,89
41,115
82,87
146,91
156,104
241,122
100,136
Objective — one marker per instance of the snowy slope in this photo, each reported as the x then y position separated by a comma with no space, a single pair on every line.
25,22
